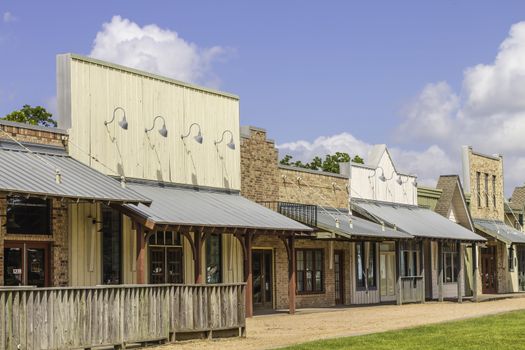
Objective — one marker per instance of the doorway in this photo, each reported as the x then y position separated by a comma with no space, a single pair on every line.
339,277
488,270
26,264
262,262
387,271
165,258
521,268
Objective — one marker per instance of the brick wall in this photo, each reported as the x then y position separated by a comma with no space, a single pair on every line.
280,262
58,241
259,174
263,179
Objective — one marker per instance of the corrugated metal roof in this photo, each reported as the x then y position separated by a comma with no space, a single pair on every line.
500,231
326,220
419,222
34,173
203,207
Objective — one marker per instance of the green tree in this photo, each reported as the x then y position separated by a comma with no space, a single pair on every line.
358,159
331,161
32,115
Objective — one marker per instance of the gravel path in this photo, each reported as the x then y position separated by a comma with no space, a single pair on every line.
278,330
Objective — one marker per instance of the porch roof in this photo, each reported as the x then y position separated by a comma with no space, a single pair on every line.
417,221
189,206
31,169
500,231
326,220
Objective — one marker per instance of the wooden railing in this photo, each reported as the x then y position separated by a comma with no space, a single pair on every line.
63,318
412,289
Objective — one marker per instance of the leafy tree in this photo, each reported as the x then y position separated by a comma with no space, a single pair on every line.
31,115
330,163
358,159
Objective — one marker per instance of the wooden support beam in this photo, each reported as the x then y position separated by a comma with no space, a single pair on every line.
197,256
141,255
440,270
291,275
461,276
475,271
399,299
422,270
248,273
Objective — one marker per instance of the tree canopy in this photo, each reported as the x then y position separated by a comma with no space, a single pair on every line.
330,163
31,115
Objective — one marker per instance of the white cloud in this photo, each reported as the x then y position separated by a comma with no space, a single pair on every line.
489,114
8,17
156,50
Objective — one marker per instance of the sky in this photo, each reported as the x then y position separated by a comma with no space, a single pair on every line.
423,77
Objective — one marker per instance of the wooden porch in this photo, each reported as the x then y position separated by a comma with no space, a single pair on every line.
86,317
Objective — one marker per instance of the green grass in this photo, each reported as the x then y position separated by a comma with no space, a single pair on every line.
503,331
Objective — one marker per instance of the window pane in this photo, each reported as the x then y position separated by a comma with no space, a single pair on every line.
28,215
111,246
372,266
213,259
300,261
359,264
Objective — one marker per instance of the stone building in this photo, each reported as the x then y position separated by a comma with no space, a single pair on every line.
498,259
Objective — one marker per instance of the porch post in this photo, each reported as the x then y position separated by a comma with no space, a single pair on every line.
399,298
475,271
141,255
422,264
461,277
440,270
291,274
248,273
197,256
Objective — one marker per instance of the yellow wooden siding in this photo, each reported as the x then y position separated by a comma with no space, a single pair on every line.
232,259
96,90
85,245
129,252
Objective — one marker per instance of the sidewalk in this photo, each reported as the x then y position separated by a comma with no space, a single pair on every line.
278,330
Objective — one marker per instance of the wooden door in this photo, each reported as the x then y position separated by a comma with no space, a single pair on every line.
26,263
488,270
262,265
339,277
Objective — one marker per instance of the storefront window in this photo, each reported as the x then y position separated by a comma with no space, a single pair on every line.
410,259
213,259
111,246
451,263
28,216
365,269
309,270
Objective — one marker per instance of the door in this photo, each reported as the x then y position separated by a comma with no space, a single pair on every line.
387,271
262,264
339,277
26,263
521,268
488,270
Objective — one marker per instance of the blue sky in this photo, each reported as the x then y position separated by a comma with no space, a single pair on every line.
303,70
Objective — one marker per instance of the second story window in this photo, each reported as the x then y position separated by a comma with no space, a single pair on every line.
494,191
486,190
478,188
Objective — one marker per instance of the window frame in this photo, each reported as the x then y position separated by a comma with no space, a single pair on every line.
451,250
511,254
372,259
220,253
478,188
120,245
411,248
494,190
314,269
47,203
176,244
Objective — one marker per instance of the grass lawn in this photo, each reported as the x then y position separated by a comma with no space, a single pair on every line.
504,331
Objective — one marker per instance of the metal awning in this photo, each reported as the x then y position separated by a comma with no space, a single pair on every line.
188,206
349,226
419,222
32,170
500,231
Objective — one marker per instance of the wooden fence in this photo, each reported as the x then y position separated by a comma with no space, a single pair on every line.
78,317
412,289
